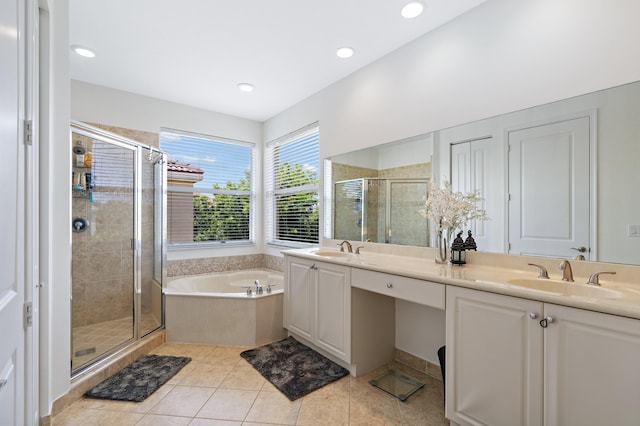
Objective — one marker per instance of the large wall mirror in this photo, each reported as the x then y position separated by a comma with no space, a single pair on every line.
377,192
557,180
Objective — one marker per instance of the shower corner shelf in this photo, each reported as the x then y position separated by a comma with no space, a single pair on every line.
84,193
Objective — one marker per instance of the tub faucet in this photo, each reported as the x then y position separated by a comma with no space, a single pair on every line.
258,287
567,273
349,246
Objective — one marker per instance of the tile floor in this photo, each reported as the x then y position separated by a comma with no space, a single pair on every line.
93,340
219,388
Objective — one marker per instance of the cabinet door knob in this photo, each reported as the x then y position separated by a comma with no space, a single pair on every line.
313,266
546,321
389,285
533,315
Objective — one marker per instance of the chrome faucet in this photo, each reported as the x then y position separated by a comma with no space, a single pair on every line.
349,247
258,287
567,273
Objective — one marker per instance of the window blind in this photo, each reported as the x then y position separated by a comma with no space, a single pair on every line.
209,188
292,183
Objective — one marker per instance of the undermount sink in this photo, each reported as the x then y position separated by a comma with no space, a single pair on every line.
566,288
331,253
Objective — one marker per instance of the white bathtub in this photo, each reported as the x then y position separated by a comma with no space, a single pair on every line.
216,309
227,284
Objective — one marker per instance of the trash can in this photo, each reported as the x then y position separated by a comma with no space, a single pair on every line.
441,358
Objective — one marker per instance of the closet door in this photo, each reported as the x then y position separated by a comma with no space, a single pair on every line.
471,171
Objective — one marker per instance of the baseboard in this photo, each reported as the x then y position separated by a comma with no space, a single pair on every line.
422,365
87,380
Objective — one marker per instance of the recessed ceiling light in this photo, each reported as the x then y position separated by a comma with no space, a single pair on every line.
246,87
345,52
83,51
411,10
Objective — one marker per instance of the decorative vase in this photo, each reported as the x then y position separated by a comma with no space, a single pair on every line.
443,237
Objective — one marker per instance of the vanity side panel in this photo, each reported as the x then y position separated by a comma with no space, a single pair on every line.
373,322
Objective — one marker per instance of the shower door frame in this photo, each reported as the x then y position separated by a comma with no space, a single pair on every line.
364,212
389,201
364,199
136,241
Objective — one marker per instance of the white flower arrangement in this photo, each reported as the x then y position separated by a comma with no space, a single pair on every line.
452,210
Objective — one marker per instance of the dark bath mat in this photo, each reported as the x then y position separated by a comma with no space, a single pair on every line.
139,379
293,368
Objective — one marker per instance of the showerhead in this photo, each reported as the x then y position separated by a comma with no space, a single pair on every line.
154,157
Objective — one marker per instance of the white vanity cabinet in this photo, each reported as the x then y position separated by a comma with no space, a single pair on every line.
317,304
592,368
494,359
505,368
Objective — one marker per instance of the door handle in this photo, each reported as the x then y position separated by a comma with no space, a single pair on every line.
581,249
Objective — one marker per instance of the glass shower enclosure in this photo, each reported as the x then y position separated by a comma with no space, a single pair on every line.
381,210
118,243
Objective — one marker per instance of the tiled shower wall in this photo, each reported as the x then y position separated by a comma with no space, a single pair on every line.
102,259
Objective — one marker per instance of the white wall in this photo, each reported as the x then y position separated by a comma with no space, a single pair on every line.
503,56
98,104
55,205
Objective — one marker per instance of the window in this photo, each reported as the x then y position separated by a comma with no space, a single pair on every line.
292,182
209,188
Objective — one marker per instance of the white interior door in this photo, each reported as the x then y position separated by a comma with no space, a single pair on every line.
549,187
12,215
472,170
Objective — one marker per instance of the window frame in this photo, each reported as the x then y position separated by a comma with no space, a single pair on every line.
271,193
251,241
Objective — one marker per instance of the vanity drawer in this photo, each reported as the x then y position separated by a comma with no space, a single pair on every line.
417,291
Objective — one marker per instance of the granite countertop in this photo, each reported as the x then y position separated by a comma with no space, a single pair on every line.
509,275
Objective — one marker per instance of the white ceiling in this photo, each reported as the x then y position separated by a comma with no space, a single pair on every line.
195,52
